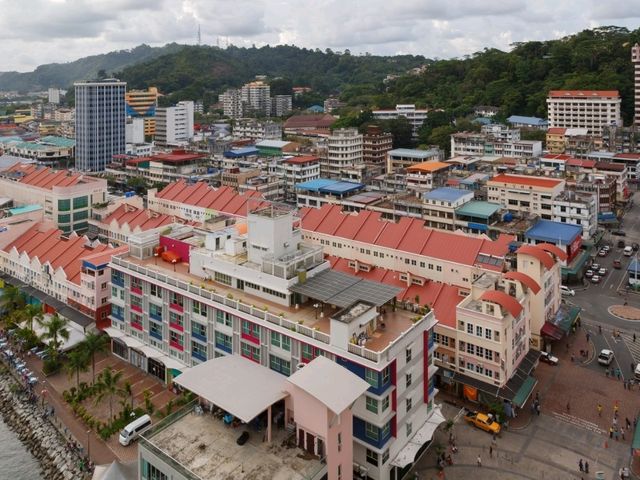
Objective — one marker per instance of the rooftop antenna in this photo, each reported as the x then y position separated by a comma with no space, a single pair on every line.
199,36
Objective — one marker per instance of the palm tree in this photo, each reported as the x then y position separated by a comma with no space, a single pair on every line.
55,331
108,386
12,298
77,361
33,312
127,393
92,344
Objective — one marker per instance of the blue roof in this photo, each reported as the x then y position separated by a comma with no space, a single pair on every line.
446,194
552,232
413,153
316,109
241,152
528,120
482,121
334,187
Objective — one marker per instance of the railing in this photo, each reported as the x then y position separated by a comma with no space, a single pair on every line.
278,320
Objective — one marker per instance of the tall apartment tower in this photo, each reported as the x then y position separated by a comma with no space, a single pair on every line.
256,97
344,150
232,103
635,59
143,103
100,123
594,110
174,125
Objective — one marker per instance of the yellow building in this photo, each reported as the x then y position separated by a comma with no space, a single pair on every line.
143,103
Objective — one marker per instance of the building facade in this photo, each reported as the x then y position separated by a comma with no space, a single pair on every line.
590,109
143,103
375,145
257,130
174,125
100,123
635,59
281,105
256,97
415,116
525,194
344,150
232,103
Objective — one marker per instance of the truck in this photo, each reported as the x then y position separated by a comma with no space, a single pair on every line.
483,421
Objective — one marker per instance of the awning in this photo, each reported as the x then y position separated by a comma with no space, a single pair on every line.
476,383
237,385
76,335
424,434
172,363
114,332
131,342
551,331
149,352
524,392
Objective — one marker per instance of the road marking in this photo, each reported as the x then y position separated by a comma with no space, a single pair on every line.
633,347
578,422
615,359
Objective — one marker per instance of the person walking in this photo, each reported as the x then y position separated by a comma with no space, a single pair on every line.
634,338
490,451
538,409
627,423
622,433
581,466
599,407
586,467
568,407
588,337
611,432
479,461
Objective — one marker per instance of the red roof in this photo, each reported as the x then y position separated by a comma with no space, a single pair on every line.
584,93
176,156
524,279
552,156
507,302
537,253
550,248
526,180
137,218
409,235
557,131
48,245
631,156
224,199
44,177
442,298
301,160
320,120
577,162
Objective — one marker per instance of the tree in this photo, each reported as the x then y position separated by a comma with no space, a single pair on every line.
401,130
126,392
55,330
77,361
93,344
108,387
12,298
33,312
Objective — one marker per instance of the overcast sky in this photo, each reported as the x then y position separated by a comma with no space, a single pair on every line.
34,32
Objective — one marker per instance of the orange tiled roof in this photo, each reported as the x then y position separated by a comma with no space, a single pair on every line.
557,131
137,218
428,167
507,302
526,180
44,177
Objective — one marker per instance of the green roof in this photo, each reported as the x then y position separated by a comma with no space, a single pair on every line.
478,209
524,391
58,141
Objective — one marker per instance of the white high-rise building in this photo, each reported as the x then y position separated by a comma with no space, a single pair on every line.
256,97
344,150
590,109
281,105
100,123
55,94
635,59
232,103
174,125
415,116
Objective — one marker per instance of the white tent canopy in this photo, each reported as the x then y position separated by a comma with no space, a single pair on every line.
114,332
235,384
424,434
76,335
333,385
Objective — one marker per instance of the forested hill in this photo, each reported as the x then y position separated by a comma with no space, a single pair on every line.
518,81
202,71
62,75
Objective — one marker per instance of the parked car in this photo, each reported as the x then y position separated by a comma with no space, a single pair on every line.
595,279
484,421
619,233
635,247
588,273
621,244
617,264
606,248
602,253
602,271
595,267
628,251
605,357
564,290
548,358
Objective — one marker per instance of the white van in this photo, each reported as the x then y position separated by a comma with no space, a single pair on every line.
134,429
637,372
628,251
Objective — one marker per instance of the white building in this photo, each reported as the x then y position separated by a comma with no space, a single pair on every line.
257,130
578,209
591,109
501,132
134,130
232,103
415,116
296,170
479,144
281,105
256,97
525,194
55,94
174,125
344,150
635,59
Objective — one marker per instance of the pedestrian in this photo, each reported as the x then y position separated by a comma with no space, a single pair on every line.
611,432
632,366
538,409
491,451
634,338
599,410
568,407
627,423
616,434
479,461
615,422
572,358
586,467
615,409
581,466
622,433
624,384
588,337
600,329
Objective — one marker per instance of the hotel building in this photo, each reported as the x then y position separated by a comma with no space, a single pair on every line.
590,109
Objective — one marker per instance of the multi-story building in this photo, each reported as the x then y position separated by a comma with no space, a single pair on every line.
400,159
257,130
48,150
64,114
54,95
525,194
375,145
479,144
332,103
578,209
67,197
231,101
590,109
621,139
295,170
603,188
256,98
271,298
635,59
533,123
174,125
415,116
100,123
281,105
501,132
631,160
563,140
143,103
426,176
344,150
269,187
70,274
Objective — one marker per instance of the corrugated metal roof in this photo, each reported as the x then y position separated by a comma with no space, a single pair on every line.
478,208
446,194
550,231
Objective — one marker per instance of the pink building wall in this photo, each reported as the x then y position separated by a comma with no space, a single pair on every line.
314,417
178,246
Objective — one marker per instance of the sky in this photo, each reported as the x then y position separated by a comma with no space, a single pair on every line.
35,32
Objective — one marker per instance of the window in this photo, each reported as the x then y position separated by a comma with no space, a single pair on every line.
223,342
409,429
80,202
222,278
385,457
199,331
408,379
250,352
372,457
64,205
408,404
275,293
281,341
386,375
155,291
469,328
66,218
438,268
175,337
487,334
175,319
371,431
199,308
279,365
155,311
250,329
371,404
176,299
496,335
478,330
339,441
136,303
385,403
408,355
81,215
155,330
386,430
150,472
224,318
372,377
198,351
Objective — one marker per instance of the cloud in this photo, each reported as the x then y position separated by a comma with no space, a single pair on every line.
35,32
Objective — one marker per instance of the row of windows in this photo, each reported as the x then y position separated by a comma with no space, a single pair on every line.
479,331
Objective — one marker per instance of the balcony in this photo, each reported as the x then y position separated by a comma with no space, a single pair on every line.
176,326
137,326
136,308
156,316
177,307
136,290
117,281
156,335
199,355
197,336
176,345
